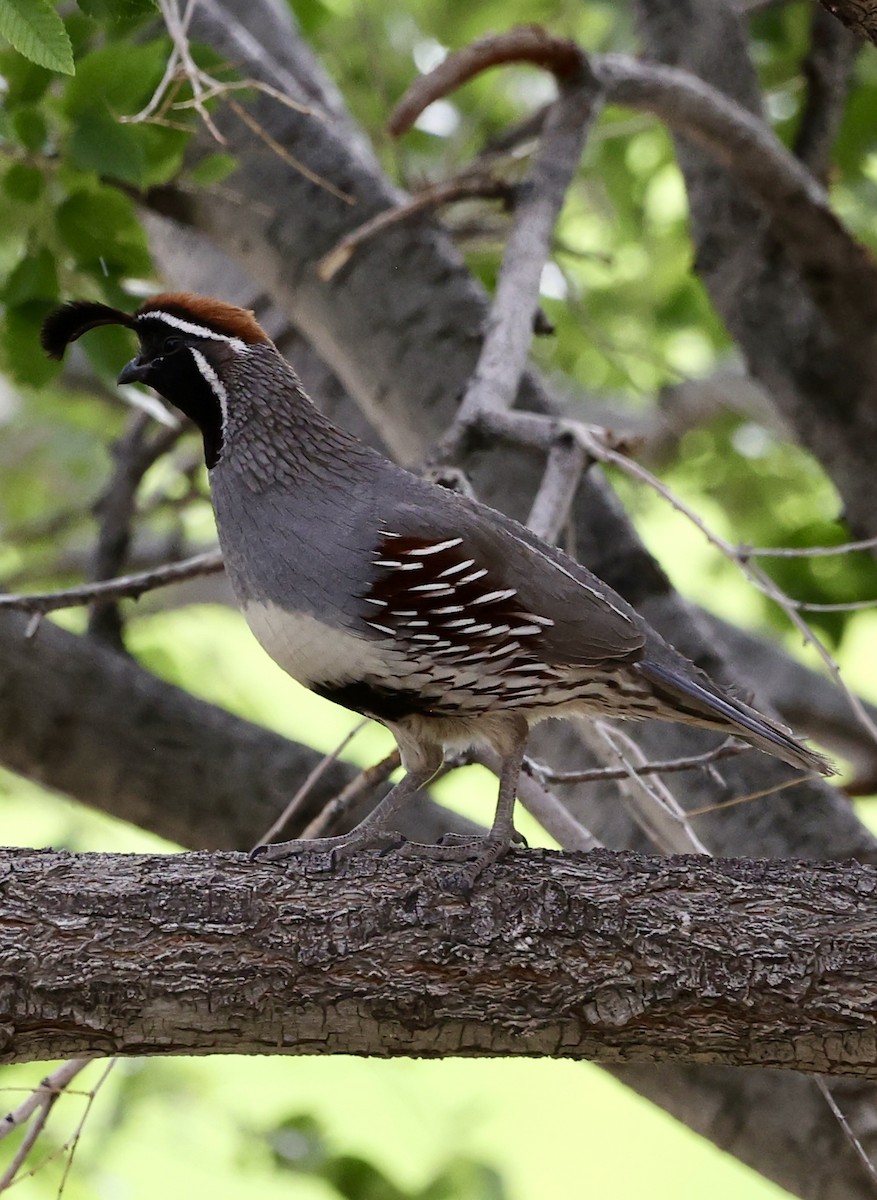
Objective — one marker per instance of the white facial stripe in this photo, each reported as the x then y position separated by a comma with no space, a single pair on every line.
191,328
213,382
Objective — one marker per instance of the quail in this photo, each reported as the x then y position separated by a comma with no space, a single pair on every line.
446,621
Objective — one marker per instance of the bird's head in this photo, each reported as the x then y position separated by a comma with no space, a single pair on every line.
188,345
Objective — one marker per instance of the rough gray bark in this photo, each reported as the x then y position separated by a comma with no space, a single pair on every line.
858,15
617,958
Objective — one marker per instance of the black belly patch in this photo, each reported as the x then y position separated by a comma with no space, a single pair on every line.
384,704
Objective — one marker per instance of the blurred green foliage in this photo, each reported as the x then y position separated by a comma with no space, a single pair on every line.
631,322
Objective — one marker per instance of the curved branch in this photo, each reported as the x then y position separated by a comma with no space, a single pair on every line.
526,44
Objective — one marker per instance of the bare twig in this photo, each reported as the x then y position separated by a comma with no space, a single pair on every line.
182,68
297,165
745,552
358,787
116,589
54,1083
133,454
428,199
42,1098
599,774
857,1146
650,802
298,800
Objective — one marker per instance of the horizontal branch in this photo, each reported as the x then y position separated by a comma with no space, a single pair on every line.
131,586
616,957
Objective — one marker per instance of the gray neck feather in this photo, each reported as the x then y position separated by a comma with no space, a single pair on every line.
276,435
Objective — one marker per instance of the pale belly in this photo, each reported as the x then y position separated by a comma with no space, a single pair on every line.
312,652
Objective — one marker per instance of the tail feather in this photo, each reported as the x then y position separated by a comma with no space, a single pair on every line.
713,710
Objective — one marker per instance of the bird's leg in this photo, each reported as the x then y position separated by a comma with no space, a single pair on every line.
485,851
370,833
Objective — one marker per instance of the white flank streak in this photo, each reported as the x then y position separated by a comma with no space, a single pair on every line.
489,597
448,608
381,628
380,603
390,563
193,329
525,629
213,381
437,548
470,562
439,588
475,575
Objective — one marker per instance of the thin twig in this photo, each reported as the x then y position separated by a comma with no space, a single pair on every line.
116,589
264,136
134,453
52,1084
599,774
359,786
528,44
650,802
182,68
72,1144
744,552
750,796
847,1129
429,199
304,791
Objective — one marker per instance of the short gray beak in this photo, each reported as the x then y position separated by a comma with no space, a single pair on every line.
133,372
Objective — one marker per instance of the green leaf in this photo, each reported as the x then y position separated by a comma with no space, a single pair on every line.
120,76
99,143
37,32
117,10
35,278
23,356
100,228
29,126
23,183
213,169
26,83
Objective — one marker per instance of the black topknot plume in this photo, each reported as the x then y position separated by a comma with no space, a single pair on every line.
69,322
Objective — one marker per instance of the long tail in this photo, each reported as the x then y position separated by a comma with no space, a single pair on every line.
712,710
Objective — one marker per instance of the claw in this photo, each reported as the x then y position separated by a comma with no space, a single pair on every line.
337,848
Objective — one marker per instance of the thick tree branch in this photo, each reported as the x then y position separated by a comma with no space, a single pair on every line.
613,957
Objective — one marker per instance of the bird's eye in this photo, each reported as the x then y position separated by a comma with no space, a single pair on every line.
172,343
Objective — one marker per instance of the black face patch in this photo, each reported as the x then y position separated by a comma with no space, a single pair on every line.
167,364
